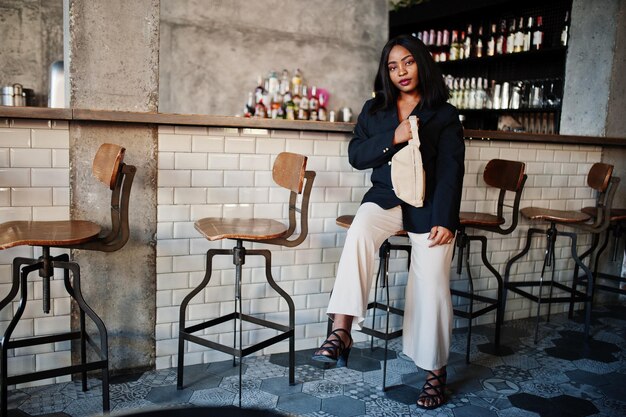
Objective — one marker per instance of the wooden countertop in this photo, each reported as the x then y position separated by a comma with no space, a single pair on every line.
239,122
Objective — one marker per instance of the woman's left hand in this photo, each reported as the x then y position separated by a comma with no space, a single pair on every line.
440,236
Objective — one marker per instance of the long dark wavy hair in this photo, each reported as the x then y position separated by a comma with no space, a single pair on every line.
431,85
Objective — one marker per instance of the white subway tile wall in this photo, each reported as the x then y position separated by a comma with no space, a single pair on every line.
227,172
236,182
34,185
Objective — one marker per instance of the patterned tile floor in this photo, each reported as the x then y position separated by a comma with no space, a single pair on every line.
559,376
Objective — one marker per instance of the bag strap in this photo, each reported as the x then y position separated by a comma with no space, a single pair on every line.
414,131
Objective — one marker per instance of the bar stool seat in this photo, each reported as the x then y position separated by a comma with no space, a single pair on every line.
108,168
557,216
237,228
382,276
480,219
600,179
289,171
47,233
506,176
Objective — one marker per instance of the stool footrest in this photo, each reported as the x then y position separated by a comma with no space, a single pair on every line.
381,334
186,334
576,295
39,340
476,297
477,313
51,373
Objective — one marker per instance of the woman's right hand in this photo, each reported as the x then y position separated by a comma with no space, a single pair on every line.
402,133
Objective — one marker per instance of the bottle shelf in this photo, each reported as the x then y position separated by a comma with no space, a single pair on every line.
542,54
509,111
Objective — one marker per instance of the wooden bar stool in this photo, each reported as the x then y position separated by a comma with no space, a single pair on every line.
289,172
617,227
599,179
109,169
382,276
507,176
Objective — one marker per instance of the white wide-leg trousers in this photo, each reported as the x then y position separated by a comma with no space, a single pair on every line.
427,324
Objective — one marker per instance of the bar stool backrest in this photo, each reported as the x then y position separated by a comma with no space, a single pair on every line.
106,164
507,176
601,179
289,171
109,168
599,176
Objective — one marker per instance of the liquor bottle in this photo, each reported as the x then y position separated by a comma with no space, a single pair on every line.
445,46
273,85
518,45
528,34
491,42
478,49
249,109
314,103
471,99
510,38
296,82
501,38
259,91
322,114
454,46
537,42
565,31
425,38
290,107
259,110
284,83
303,109
468,44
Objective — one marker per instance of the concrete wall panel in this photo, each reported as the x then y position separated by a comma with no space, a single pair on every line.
212,52
31,38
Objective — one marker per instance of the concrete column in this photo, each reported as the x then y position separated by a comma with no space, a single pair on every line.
112,63
595,89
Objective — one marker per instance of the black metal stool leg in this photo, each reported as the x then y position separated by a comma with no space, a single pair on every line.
21,277
385,283
292,313
547,262
471,304
183,330
104,343
589,290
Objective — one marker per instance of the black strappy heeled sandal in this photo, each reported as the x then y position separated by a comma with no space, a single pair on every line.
436,394
337,350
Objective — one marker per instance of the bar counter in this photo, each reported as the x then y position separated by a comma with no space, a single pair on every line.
230,121
221,166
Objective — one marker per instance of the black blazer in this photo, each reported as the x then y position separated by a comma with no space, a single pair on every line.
443,154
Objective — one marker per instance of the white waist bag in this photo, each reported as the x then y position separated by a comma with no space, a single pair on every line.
407,172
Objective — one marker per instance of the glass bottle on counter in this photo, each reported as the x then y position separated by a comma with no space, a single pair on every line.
314,103
303,108
284,83
290,107
249,107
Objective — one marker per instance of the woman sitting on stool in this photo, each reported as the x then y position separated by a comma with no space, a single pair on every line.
408,83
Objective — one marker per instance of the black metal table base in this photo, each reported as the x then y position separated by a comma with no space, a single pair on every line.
22,267
186,333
